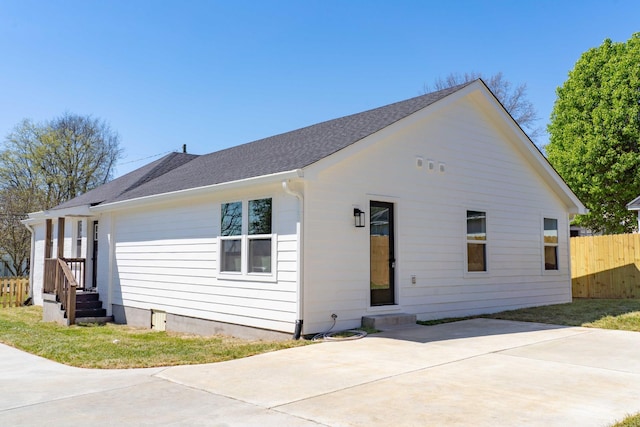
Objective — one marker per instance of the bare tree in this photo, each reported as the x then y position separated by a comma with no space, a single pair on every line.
513,98
43,165
14,237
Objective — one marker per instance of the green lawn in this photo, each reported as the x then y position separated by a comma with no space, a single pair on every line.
630,421
119,346
623,314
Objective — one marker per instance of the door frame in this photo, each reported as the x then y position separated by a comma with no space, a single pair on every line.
392,296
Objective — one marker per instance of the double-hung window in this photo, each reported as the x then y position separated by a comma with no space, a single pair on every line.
231,240
259,236
476,241
246,237
550,244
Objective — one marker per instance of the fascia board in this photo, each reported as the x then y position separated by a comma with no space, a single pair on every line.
76,211
525,146
194,192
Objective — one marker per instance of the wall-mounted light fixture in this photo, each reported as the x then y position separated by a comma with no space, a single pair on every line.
358,217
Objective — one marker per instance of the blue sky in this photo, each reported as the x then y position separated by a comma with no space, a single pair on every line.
213,74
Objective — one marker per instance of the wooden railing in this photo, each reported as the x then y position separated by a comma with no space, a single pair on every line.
77,267
64,277
13,291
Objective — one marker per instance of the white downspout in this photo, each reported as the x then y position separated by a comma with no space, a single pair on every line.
111,247
299,258
32,254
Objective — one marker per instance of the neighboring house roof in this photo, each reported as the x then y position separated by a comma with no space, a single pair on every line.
634,205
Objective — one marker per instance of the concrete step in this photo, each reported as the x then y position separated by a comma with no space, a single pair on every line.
95,312
101,320
388,321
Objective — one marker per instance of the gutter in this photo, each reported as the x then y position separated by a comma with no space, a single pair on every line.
299,259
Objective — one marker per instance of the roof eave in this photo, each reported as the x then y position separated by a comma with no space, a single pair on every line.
76,211
192,192
546,170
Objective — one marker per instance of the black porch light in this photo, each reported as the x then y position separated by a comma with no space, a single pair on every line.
358,217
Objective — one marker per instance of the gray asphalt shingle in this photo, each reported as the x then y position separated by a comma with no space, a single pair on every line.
280,153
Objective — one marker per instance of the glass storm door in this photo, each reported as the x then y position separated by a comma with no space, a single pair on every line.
382,259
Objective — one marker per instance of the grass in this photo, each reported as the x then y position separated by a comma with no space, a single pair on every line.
622,314
119,346
630,421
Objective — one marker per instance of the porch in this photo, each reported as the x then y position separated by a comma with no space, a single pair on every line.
67,300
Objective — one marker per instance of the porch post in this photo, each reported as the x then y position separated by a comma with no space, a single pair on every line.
60,253
48,240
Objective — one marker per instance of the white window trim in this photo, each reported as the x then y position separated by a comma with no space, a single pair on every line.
244,237
559,270
486,243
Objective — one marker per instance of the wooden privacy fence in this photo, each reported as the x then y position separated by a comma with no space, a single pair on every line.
13,291
606,266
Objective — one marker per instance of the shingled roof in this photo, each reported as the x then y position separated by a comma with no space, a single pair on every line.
281,153
119,186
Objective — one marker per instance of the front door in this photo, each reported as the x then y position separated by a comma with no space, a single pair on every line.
94,256
382,258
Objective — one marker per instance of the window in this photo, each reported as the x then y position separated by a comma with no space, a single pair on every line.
246,227
79,239
231,229
260,236
476,241
550,244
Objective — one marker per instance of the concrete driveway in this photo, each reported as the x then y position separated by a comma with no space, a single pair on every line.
479,372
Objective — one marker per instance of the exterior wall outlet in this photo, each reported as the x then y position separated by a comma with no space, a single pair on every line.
413,280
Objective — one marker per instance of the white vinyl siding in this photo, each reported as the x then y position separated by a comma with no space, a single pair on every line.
167,259
484,172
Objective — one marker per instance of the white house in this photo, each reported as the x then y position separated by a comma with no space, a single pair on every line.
436,206
634,205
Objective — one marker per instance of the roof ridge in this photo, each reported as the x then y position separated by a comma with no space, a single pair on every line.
436,94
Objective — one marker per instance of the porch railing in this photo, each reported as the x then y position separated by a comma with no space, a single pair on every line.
77,267
64,277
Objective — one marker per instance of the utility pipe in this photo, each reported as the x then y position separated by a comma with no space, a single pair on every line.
299,258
